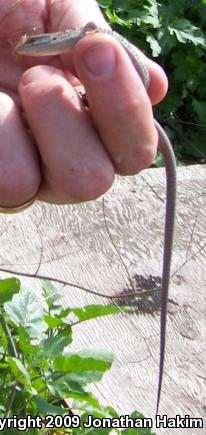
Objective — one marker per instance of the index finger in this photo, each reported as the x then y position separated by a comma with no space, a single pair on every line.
76,14
119,103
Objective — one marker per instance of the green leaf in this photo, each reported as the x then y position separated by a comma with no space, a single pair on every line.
54,346
52,321
26,310
147,15
185,32
93,311
25,343
20,372
87,377
85,360
60,384
114,18
8,287
165,40
45,408
4,341
200,109
50,293
65,387
154,45
21,397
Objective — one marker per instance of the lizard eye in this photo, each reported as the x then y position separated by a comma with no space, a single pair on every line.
90,27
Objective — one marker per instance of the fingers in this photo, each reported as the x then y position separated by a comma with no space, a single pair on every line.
158,81
80,153
19,169
120,106
75,165
77,14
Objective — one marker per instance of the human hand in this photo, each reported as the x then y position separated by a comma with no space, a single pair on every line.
70,154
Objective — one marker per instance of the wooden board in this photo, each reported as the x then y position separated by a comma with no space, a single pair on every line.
73,244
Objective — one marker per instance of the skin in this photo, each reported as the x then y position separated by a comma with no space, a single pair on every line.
67,154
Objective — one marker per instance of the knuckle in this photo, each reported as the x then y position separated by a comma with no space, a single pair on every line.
147,157
139,159
16,190
88,185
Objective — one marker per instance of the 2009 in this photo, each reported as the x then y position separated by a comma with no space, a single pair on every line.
59,421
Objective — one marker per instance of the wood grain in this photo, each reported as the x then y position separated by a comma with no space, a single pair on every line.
73,244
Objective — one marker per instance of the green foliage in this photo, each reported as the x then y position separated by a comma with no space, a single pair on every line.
38,371
8,287
173,32
25,310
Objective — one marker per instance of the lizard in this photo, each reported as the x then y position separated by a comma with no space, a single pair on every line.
64,41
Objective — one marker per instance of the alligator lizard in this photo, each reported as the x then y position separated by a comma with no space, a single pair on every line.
60,42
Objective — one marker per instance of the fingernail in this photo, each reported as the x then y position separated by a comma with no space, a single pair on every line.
36,73
100,60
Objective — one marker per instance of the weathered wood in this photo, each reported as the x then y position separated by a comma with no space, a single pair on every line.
73,244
